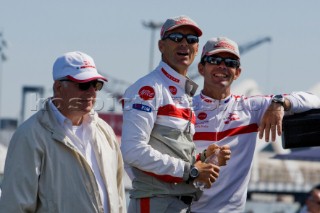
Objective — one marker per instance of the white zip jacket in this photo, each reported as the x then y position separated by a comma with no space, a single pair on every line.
234,121
45,172
158,126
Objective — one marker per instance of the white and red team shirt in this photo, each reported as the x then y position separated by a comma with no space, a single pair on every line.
158,99
234,121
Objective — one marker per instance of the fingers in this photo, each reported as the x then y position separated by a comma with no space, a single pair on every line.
211,149
279,128
208,173
261,130
270,130
225,147
213,178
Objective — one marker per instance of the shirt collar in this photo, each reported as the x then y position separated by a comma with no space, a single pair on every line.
63,119
207,99
174,77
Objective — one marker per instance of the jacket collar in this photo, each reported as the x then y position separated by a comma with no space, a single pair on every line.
172,76
51,122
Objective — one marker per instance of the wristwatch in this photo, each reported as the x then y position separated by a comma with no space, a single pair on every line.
278,99
194,173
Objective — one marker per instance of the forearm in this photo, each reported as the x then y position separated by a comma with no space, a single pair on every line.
301,101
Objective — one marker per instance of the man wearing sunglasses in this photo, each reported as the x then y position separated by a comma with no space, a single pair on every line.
224,118
158,125
65,158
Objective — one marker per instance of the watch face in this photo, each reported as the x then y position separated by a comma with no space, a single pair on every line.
278,99
194,173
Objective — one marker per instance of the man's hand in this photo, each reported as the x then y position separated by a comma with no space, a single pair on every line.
313,202
224,153
271,121
208,173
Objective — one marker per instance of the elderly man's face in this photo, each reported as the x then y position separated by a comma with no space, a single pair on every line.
71,100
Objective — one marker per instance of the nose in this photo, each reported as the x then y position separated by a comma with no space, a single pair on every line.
223,66
184,41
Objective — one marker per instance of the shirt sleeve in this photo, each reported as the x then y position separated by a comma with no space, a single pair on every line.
140,106
302,101
21,174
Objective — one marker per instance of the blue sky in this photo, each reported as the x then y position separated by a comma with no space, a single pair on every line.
38,31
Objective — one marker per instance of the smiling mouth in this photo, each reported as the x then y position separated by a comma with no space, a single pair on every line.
220,75
182,53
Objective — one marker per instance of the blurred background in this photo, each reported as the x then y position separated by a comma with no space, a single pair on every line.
278,42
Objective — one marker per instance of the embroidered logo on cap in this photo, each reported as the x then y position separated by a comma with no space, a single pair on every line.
146,93
182,21
223,44
87,64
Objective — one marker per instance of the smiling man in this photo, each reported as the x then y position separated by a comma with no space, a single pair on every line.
158,126
65,158
226,118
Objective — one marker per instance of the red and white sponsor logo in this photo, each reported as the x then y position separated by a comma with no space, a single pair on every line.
202,115
146,93
173,90
170,76
231,117
87,64
183,21
223,44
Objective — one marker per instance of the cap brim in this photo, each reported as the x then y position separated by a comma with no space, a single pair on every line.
84,80
222,50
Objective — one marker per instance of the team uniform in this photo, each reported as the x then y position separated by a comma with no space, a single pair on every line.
158,127
234,121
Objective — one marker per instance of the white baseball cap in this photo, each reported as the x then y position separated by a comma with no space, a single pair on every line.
220,44
76,66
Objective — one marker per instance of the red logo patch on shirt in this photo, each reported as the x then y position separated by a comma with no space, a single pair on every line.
146,93
202,115
231,117
173,90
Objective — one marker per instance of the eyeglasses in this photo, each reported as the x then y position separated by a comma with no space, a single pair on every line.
177,37
229,62
97,85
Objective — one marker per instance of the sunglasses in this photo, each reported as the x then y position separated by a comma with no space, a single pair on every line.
229,62
97,85
177,37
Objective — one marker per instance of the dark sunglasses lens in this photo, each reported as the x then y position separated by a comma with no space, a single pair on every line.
213,60
228,62
84,86
176,37
191,39
97,85
231,62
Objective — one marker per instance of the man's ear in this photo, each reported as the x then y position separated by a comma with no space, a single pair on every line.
201,68
237,74
57,86
160,45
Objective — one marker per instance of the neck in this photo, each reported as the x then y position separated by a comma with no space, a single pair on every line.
215,94
76,118
182,70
